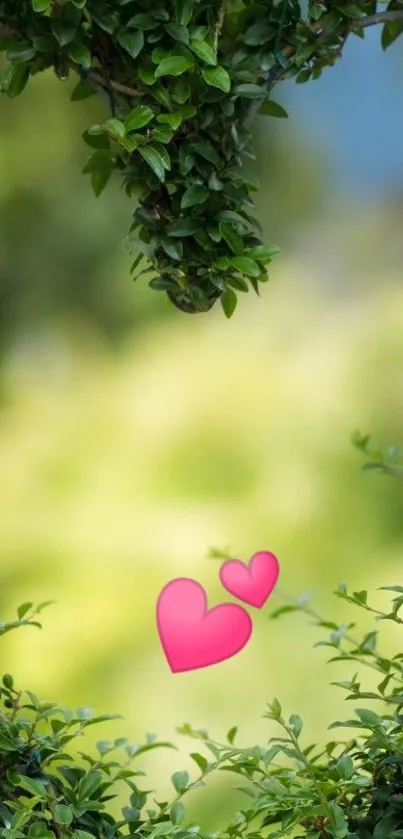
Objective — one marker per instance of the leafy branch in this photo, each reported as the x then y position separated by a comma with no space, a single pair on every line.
184,82
388,461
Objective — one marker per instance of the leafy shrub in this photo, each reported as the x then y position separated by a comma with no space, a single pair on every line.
350,789
184,81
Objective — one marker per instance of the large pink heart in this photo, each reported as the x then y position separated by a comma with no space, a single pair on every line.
193,637
251,583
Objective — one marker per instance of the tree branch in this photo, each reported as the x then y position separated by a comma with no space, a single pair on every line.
8,32
274,76
380,17
219,25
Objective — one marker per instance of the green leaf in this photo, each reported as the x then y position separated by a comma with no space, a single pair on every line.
203,51
263,253
24,609
102,160
138,117
146,74
194,195
345,767
154,160
80,92
390,32
273,109
132,42
369,718
174,66
64,31
172,248
250,91
41,5
296,724
201,761
361,597
352,10
21,52
80,54
232,238
32,786
177,32
18,80
217,77
116,128
184,11
231,734
181,90
143,21
246,265
8,681
206,150
177,812
88,784
184,227
63,814
162,829
160,285
180,780
259,33
229,301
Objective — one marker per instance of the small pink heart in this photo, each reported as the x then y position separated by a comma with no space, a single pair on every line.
252,583
193,637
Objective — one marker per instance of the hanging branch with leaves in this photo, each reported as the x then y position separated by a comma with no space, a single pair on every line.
183,81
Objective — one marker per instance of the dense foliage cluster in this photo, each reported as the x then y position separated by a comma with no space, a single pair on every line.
184,80
349,789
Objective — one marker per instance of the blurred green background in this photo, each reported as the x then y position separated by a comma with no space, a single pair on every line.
134,437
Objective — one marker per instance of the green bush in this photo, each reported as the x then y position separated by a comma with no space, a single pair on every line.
346,789
184,81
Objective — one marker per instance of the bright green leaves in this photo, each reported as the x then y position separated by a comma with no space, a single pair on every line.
203,51
228,302
115,128
63,814
175,136
155,160
245,265
174,66
80,54
138,118
41,5
217,77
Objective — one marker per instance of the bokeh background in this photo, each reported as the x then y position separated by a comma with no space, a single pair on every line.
133,437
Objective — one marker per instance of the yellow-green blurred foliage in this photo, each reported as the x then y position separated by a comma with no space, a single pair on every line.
120,469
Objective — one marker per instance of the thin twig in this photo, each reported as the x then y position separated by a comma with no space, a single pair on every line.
353,641
120,88
219,25
380,17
